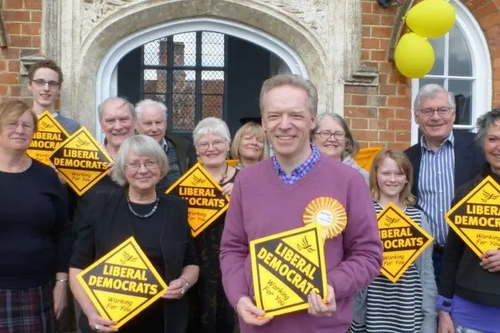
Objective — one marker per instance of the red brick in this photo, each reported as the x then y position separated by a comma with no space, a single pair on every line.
16,16
370,43
14,66
357,123
360,112
387,90
366,32
20,41
4,90
384,32
36,16
31,28
356,90
386,113
399,125
366,135
32,4
490,20
13,28
387,136
3,66
377,124
365,55
486,10
12,4
403,114
398,101
387,20
403,136
378,55
371,19
398,145
15,90
10,53
35,41
366,7
9,78
358,100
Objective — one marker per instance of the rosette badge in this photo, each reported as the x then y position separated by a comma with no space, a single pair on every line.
328,213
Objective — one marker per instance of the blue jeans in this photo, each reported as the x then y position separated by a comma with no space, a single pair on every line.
461,329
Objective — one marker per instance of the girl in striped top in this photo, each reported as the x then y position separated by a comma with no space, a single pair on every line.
409,305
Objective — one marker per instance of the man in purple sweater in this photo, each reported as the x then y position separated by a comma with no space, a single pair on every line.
271,197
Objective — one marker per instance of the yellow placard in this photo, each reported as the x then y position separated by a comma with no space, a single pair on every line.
476,218
403,241
81,161
204,196
48,137
122,283
286,267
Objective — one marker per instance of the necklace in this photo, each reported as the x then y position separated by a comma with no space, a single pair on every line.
224,175
145,216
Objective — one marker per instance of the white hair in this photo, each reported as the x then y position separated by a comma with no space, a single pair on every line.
211,125
430,90
141,145
139,107
100,108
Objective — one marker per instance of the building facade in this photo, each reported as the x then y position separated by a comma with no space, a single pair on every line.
209,57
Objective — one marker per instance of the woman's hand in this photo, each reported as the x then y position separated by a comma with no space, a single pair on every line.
491,260
176,289
60,293
227,189
445,323
99,324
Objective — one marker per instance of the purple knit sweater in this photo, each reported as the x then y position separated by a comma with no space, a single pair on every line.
262,205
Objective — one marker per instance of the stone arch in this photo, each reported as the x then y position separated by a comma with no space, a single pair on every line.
143,17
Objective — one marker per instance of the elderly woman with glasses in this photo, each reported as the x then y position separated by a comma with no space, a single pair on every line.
333,137
159,224
469,290
212,141
35,237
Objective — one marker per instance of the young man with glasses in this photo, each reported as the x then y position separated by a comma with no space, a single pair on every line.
442,161
45,80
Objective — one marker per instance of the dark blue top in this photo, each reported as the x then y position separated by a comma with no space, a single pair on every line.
35,234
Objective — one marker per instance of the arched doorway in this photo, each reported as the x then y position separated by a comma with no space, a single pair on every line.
107,76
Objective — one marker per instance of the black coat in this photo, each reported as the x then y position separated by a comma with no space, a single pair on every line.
469,159
104,224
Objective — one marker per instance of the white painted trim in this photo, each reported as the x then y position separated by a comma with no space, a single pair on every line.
481,65
106,81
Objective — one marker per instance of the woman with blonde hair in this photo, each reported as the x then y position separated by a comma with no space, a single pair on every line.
249,145
408,305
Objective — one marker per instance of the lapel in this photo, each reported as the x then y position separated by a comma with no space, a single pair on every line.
463,156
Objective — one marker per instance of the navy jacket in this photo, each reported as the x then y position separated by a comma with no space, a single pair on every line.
469,159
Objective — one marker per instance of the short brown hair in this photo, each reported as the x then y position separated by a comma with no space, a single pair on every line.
14,109
251,129
294,81
50,64
404,165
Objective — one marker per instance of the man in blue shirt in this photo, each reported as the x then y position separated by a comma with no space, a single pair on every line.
442,161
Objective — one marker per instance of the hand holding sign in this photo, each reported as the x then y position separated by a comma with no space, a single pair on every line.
491,260
99,324
176,289
251,314
320,309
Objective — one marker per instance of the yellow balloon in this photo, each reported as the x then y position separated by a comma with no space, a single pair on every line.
431,18
414,56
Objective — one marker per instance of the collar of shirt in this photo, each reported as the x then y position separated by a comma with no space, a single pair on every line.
164,145
450,139
300,171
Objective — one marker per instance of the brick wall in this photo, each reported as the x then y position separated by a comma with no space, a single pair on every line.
22,20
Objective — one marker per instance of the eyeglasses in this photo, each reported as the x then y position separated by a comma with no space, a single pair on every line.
41,83
327,135
442,111
217,144
13,125
135,166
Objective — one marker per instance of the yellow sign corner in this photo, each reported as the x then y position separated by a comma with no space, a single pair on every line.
403,241
204,196
81,161
122,283
48,137
286,267
476,218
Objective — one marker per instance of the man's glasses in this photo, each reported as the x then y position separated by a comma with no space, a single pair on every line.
41,83
442,111
327,135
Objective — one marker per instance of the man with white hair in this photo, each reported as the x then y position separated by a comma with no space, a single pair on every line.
152,121
442,161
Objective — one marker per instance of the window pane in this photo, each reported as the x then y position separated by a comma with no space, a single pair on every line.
438,45
155,81
156,97
427,80
185,49
212,49
463,99
460,59
154,51
183,100
212,90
